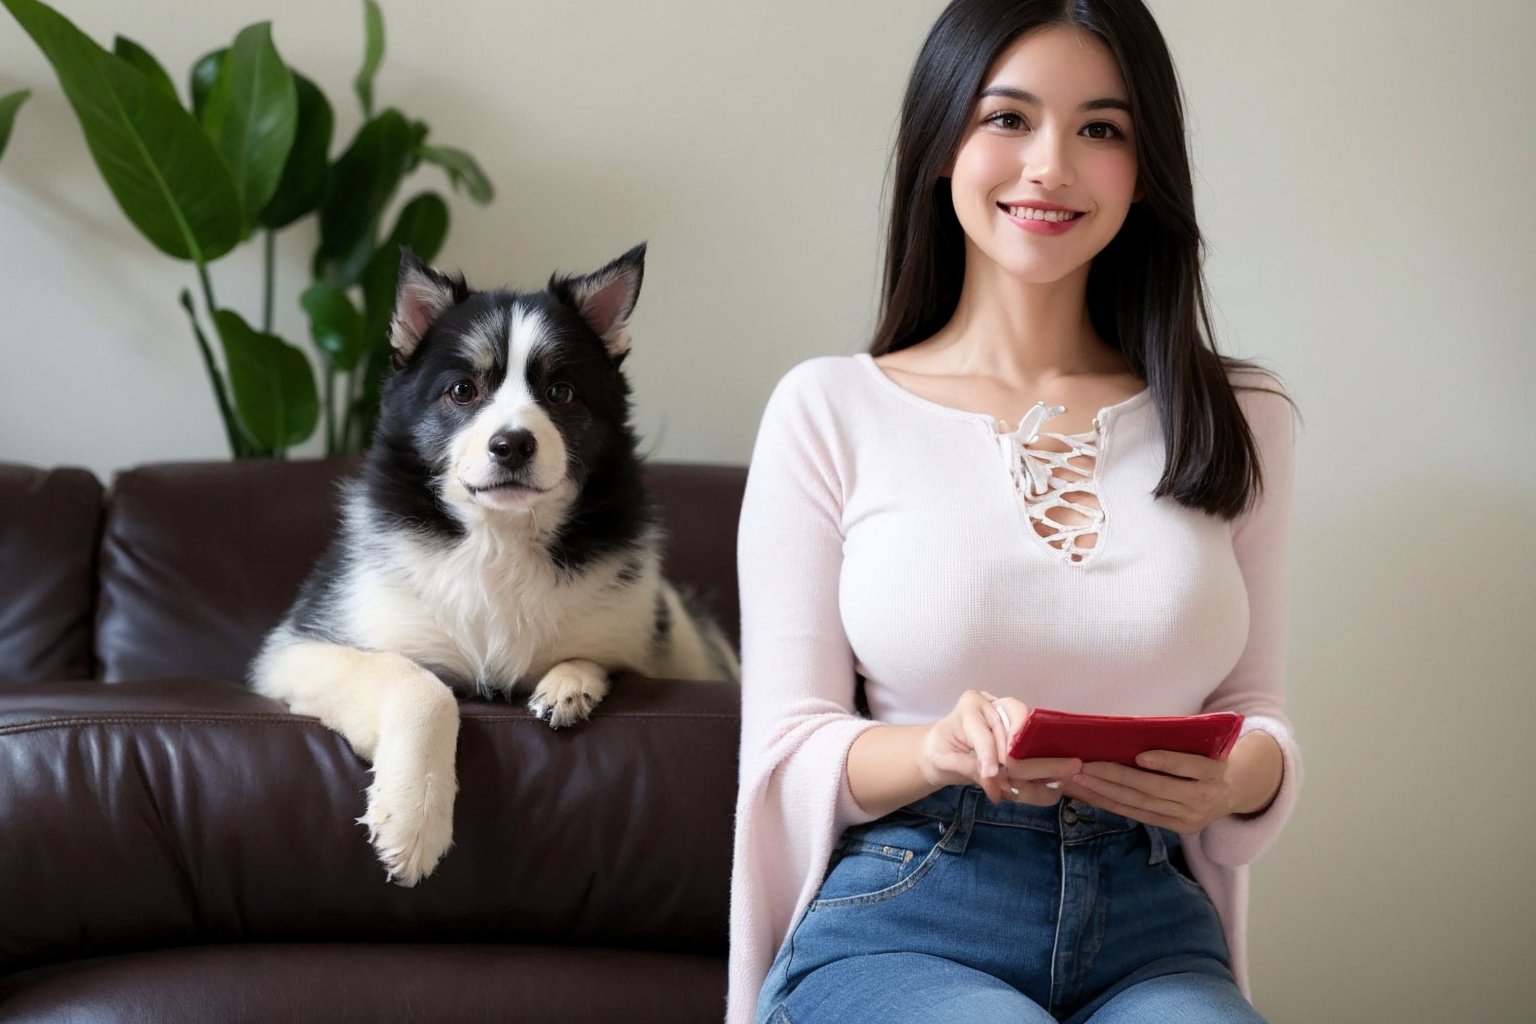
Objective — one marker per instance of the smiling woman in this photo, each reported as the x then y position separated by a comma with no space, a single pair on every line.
904,554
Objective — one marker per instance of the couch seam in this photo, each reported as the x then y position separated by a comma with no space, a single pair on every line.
61,723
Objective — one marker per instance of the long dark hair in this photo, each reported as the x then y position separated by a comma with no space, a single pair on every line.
1145,294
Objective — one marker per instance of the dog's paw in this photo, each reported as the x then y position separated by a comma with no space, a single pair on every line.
410,827
568,693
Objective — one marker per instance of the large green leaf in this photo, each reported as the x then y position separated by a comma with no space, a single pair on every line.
161,168
274,387
205,73
303,182
335,324
360,186
379,283
373,54
145,61
462,170
252,116
422,225
9,104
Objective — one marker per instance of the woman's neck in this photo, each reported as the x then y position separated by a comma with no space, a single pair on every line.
1025,335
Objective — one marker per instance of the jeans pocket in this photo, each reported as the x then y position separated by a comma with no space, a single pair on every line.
880,861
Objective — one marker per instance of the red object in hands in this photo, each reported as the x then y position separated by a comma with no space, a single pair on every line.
1120,738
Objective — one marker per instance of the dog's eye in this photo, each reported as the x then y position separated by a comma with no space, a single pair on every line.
561,394
463,392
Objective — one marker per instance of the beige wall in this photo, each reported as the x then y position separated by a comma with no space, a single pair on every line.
1365,169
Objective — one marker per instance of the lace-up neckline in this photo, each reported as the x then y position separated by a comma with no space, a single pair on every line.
1060,492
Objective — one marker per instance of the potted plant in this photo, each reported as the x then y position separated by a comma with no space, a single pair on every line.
246,157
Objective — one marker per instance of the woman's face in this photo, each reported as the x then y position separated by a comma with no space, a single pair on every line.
1046,172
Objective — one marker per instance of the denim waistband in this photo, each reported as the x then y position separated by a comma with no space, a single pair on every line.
1066,818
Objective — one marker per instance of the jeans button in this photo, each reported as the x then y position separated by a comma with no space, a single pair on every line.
1068,816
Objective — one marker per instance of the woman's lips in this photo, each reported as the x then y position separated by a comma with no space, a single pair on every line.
1038,221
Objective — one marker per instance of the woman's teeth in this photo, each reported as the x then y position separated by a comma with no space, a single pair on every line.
1030,213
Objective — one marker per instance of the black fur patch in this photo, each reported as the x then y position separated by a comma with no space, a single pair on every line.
629,573
662,629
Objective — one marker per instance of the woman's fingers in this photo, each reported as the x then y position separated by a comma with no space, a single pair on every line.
979,728
979,737
1016,711
1037,794
1027,780
997,720
1042,769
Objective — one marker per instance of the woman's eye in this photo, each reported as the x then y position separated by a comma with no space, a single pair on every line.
1103,131
1007,120
560,394
463,392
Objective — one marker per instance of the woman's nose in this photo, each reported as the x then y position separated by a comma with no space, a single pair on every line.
1047,162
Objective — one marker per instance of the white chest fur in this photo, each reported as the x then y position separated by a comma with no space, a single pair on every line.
489,607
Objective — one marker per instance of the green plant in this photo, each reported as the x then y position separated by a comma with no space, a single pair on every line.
9,104
251,156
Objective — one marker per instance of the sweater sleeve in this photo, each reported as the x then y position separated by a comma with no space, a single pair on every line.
797,714
1255,686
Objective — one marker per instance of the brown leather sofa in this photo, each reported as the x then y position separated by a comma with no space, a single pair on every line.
176,848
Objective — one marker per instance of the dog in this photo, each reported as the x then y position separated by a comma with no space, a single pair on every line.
499,534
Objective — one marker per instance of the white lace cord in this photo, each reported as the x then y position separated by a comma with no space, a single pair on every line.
1035,474
1030,478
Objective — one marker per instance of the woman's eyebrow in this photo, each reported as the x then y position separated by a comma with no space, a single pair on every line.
1008,91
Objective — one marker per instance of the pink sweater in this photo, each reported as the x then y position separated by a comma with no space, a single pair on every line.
886,535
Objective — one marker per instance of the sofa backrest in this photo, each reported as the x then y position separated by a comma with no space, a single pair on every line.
49,524
197,561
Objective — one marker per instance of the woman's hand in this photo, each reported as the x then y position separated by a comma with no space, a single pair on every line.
1183,792
969,746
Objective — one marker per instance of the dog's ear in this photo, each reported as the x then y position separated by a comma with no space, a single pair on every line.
421,295
606,298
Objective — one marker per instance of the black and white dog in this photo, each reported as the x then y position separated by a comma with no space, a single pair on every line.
499,534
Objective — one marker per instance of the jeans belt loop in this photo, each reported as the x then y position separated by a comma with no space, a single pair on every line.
958,835
1159,846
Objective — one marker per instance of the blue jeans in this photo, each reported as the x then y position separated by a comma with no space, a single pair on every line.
953,909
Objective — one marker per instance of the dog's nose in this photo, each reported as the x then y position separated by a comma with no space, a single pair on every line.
513,449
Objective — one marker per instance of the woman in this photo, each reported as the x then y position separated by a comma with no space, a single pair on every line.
1042,486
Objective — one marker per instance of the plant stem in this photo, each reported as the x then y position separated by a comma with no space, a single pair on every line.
346,412
330,409
271,263
202,275
237,445
358,437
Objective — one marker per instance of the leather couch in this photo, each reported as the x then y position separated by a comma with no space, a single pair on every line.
176,848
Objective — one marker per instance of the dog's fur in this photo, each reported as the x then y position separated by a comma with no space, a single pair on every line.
499,534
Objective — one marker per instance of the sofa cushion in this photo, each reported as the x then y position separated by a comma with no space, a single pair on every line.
200,560
49,524
369,984
186,811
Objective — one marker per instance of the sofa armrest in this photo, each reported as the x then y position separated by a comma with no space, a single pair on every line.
173,811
